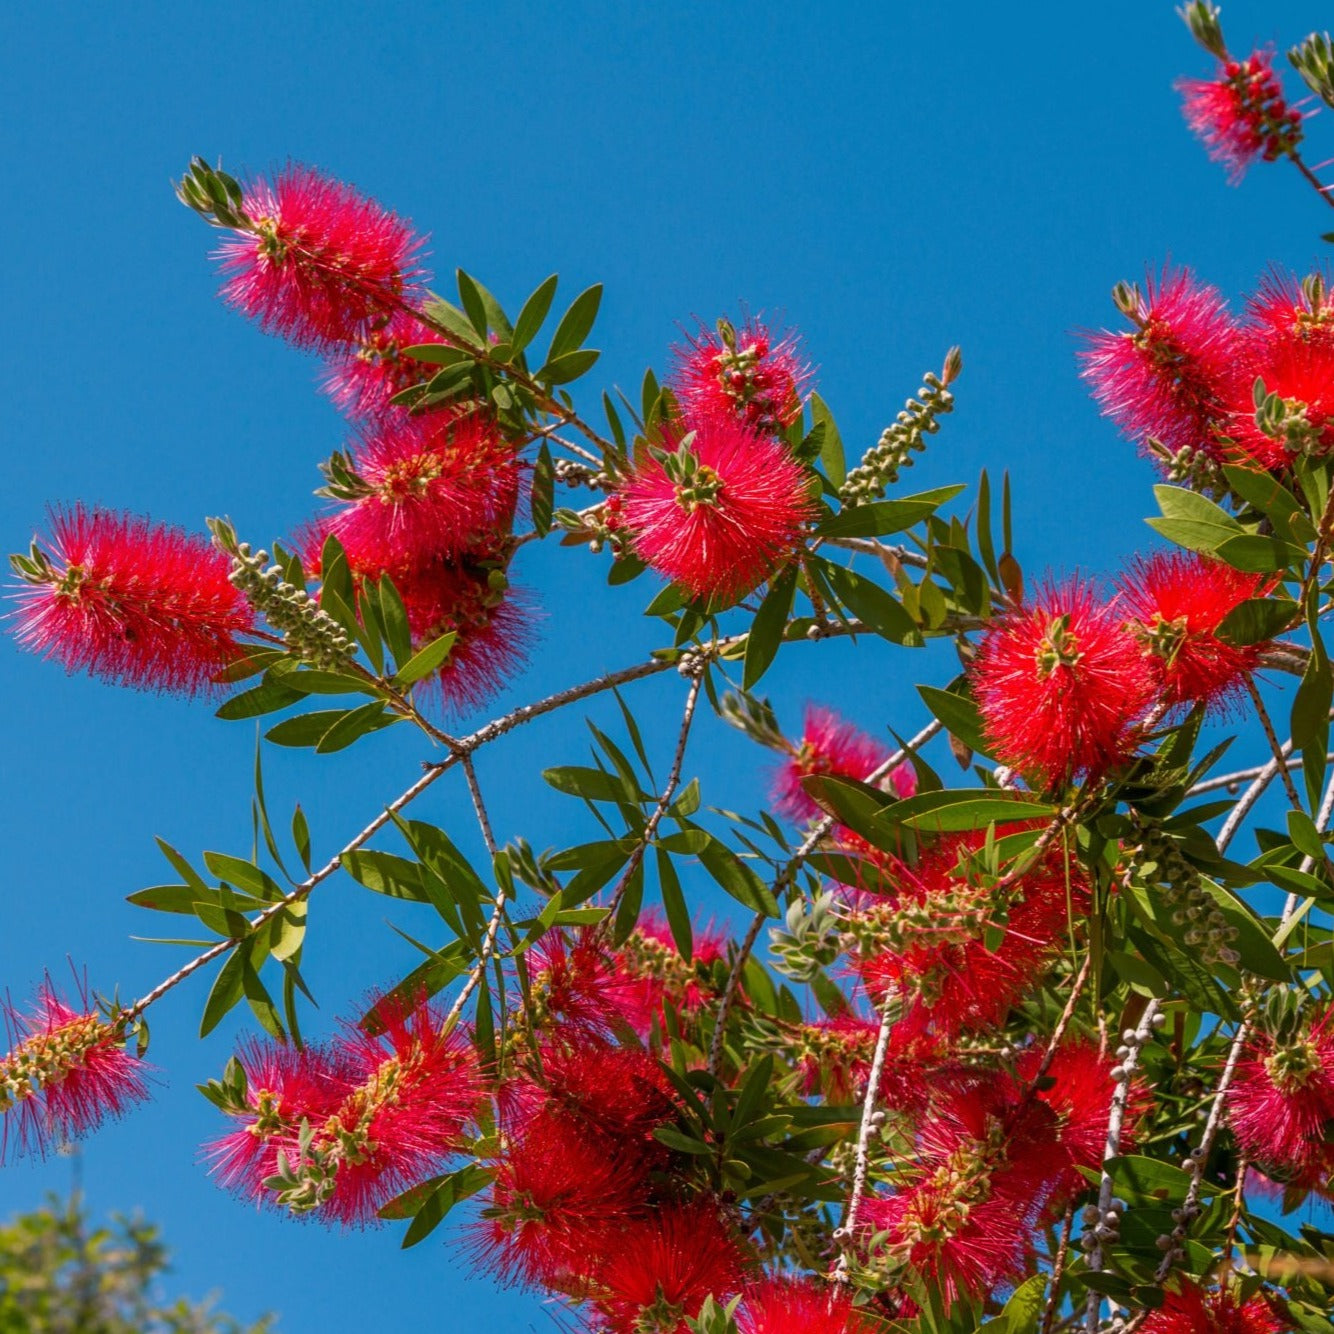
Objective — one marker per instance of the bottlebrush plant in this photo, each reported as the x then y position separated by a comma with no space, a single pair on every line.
1011,1039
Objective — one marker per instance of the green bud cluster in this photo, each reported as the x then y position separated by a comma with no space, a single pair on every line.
308,631
809,940
214,195
1201,18
1191,467
1159,861
1314,61
882,463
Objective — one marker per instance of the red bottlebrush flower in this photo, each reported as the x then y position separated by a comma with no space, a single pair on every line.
831,746
283,1086
620,1093
1289,348
136,603
719,514
1281,1103
362,379
656,1272
958,957
1191,1311
578,981
412,1091
424,488
1240,114
656,974
470,597
1176,602
800,1306
750,374
1078,1089
1060,685
557,1191
1172,379
65,1072
318,264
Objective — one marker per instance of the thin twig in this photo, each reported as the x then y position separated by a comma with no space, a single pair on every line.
664,800
847,1230
1059,1031
1233,781
1125,1071
1280,755
478,805
1248,799
1057,1271
785,877
1317,184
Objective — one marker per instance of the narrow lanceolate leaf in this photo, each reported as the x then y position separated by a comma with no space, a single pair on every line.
576,324
531,317
1310,711
737,879
542,494
425,661
766,631
1192,520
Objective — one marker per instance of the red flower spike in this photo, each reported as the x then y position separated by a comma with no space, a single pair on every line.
472,598
831,746
1060,685
1191,1311
656,975
430,488
657,1272
320,264
65,1072
1174,378
557,1190
1289,347
800,1306
1240,114
577,981
362,379
136,603
1176,603
412,1091
720,514
748,374
1281,1103
284,1085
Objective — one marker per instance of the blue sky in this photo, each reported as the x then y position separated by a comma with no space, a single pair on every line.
885,181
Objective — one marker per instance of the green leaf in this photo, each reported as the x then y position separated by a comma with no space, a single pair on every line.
561,370
1140,1179
871,604
225,994
1258,619
385,873
1192,521
593,784
353,725
1265,493
269,696
531,317
425,661
183,868
471,300
736,878
301,836
455,1188
1253,942
243,874
766,631
576,324
1023,1312
1256,553
831,444
1310,710
541,495
958,711
394,618
674,906
166,898
956,810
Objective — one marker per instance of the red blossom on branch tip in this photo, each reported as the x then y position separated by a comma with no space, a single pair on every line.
829,745
136,603
1173,378
1281,1103
785,1305
1061,685
748,373
655,1272
426,488
1189,1310
718,512
66,1071
361,379
1177,603
1240,114
318,263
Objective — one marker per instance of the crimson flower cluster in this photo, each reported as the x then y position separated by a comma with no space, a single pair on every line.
1067,683
1194,382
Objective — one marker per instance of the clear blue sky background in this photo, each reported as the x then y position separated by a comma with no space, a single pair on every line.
890,178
